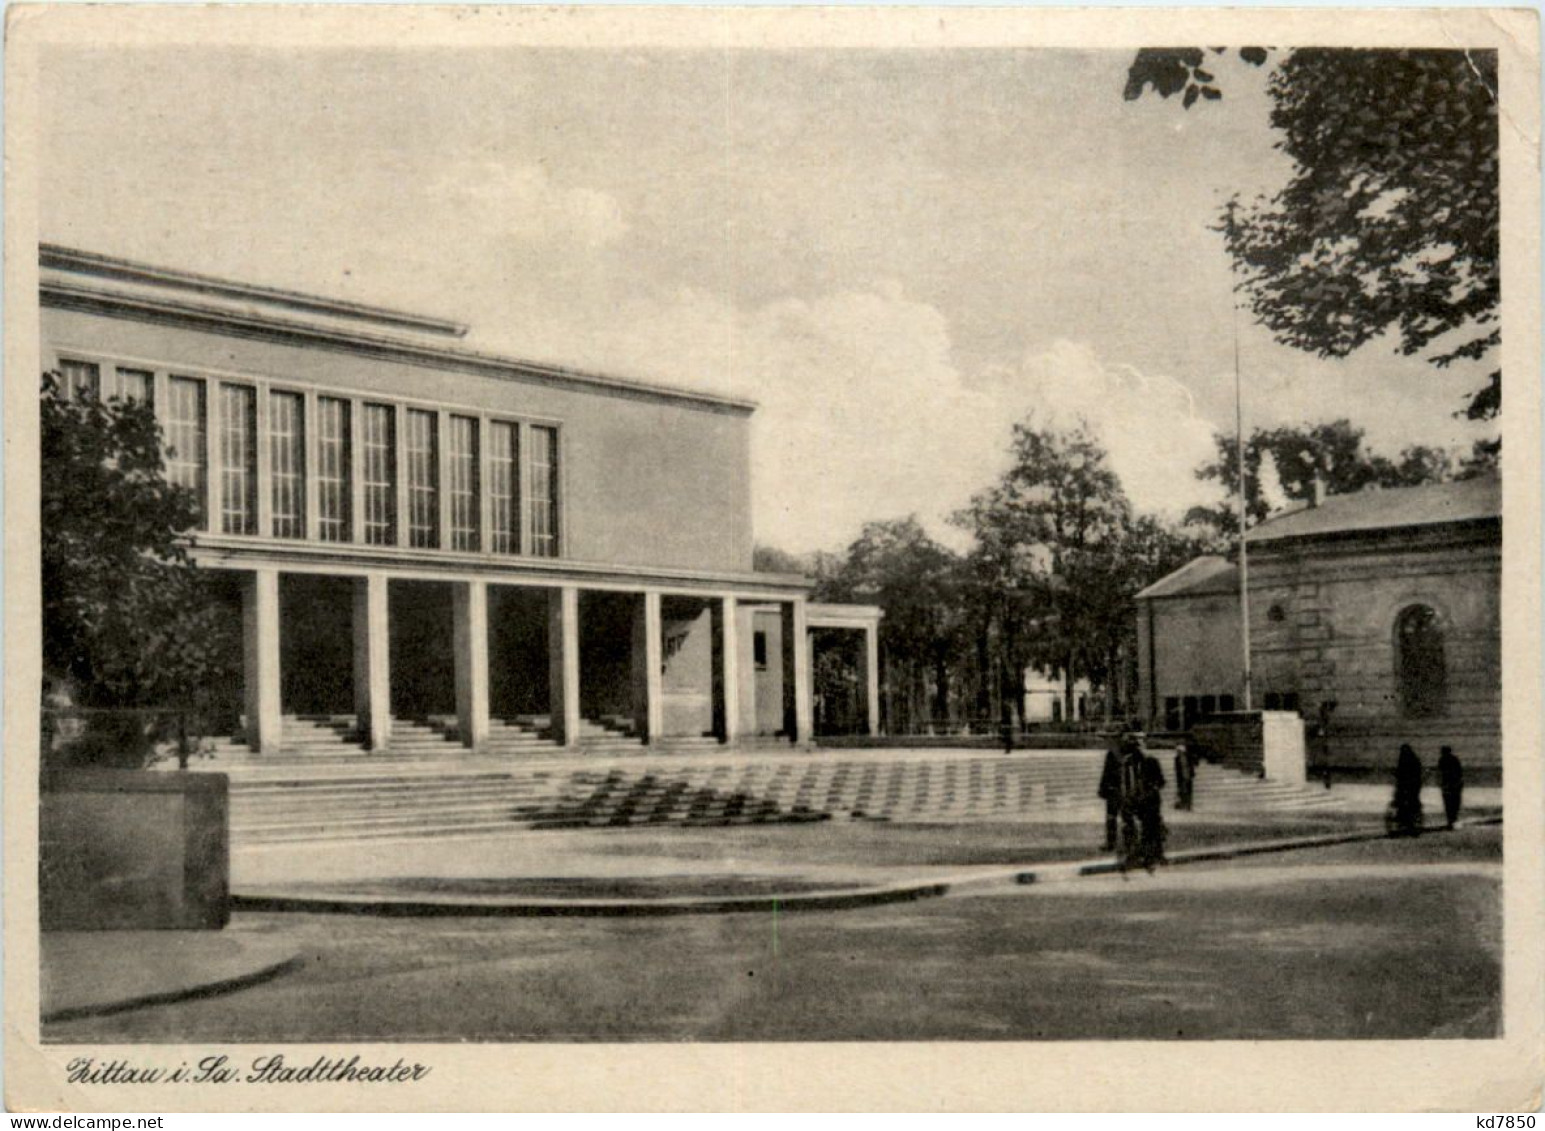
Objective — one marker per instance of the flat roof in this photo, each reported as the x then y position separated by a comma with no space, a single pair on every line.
127,288
61,258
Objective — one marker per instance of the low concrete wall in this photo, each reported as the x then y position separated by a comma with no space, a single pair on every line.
123,850
1285,756
1269,743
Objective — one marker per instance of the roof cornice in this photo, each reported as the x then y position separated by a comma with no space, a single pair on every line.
355,558
59,258
111,303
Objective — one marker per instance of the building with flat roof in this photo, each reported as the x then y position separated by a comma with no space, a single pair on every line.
1377,613
418,535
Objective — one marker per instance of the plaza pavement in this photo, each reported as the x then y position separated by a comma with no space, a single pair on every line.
653,872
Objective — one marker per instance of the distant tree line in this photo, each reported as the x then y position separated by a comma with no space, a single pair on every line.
1056,559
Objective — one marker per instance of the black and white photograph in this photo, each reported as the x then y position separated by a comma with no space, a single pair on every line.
913,541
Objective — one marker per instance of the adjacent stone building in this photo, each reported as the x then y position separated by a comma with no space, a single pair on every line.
416,533
1378,612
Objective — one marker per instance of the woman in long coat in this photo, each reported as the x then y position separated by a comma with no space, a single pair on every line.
1407,805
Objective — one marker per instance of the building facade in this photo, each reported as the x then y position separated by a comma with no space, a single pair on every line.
1376,616
413,530
1046,696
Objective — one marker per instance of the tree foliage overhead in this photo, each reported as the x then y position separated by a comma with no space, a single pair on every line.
126,615
1171,70
1390,221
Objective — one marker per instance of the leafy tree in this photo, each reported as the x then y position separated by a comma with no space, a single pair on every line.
1484,459
1330,454
127,618
770,559
1390,221
914,580
1049,545
1148,549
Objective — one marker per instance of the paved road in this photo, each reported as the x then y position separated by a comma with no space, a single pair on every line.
1388,939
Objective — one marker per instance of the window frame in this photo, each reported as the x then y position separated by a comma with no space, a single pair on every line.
213,379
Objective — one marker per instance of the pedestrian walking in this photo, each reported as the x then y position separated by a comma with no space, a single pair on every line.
1405,810
1451,780
1110,793
1185,774
1129,802
1140,808
1150,813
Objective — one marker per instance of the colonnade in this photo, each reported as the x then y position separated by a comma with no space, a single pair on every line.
372,661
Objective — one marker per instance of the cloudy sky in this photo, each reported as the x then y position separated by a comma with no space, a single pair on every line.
897,253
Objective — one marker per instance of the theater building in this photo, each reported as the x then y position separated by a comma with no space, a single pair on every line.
418,535
1376,613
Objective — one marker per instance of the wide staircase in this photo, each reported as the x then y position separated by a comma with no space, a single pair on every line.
427,784
478,794
1221,788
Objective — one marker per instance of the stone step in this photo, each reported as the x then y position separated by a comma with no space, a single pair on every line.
514,812
344,796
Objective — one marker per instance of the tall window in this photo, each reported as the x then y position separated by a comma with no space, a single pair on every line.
380,475
332,473
287,458
79,377
423,450
1420,668
464,483
503,488
238,459
137,385
186,455
544,492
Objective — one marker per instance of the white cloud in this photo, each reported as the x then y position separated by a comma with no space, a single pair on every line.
864,414
1148,422
1272,491
525,202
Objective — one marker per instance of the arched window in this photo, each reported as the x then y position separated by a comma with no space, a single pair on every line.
1419,666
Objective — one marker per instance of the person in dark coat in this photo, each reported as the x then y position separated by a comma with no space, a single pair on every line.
1451,780
1150,813
1141,801
1130,802
1110,793
1185,775
1406,808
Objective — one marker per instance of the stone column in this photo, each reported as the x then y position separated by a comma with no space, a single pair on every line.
471,644
872,678
728,633
648,681
796,671
260,654
563,663
372,661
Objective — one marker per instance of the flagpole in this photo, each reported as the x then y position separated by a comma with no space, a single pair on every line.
1244,559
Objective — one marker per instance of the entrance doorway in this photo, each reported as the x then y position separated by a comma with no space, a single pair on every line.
316,644
423,659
